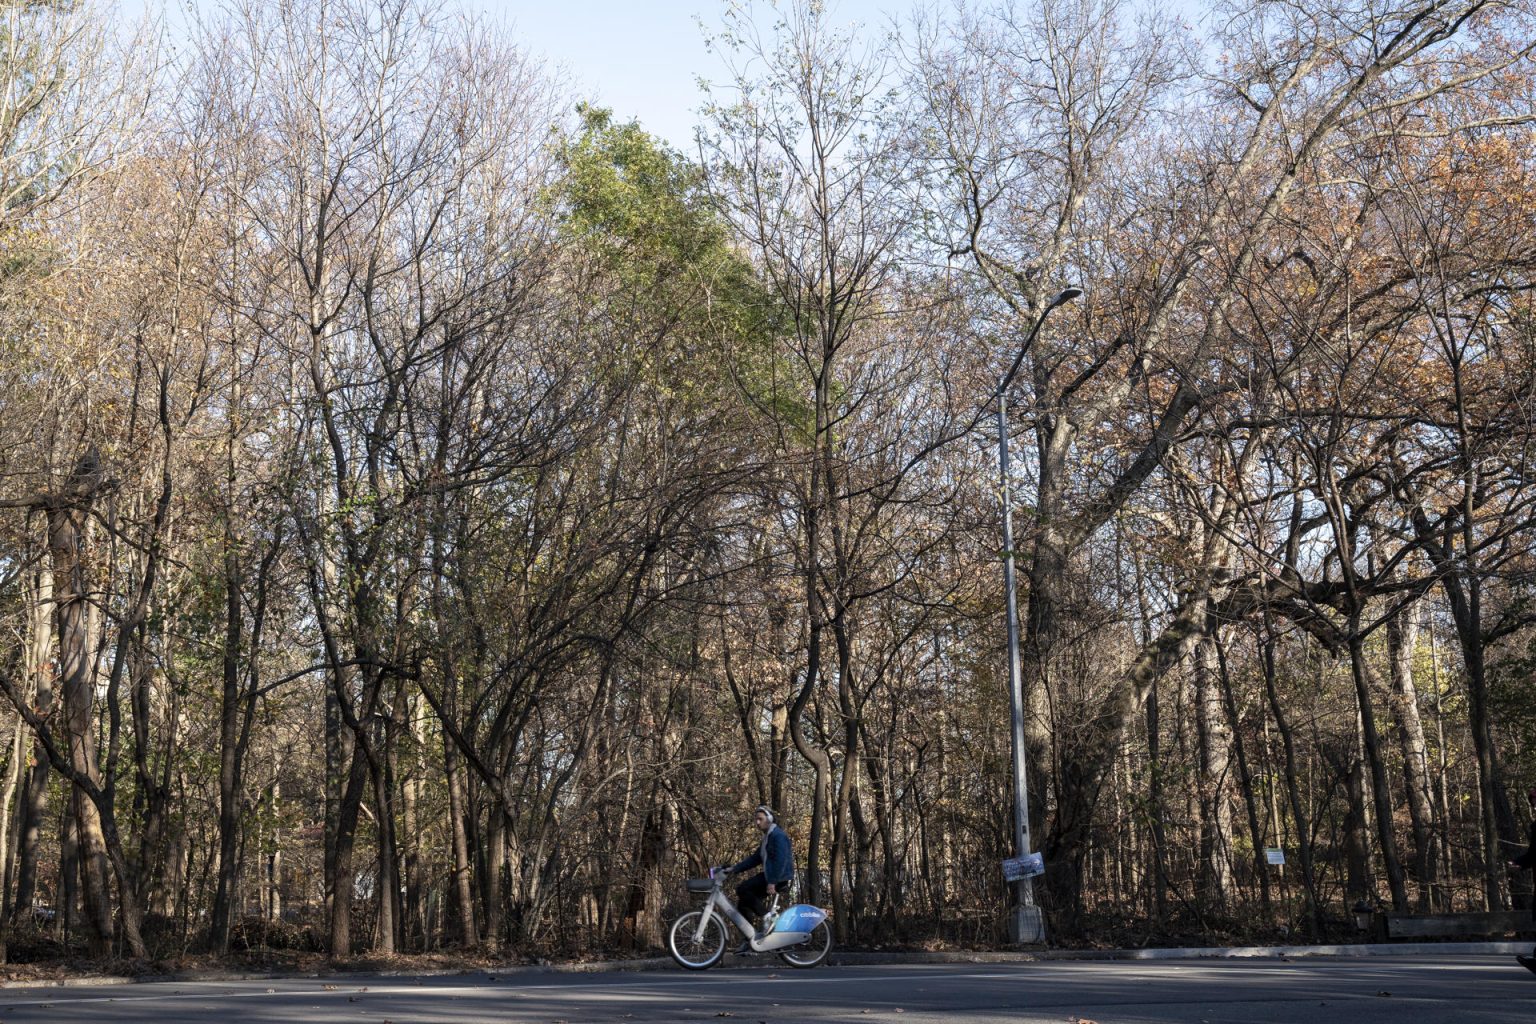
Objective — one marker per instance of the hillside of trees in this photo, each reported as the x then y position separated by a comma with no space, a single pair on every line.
435,512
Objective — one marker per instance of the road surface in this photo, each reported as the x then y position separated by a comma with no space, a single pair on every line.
1367,990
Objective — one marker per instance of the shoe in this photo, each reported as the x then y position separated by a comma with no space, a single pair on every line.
745,949
1528,962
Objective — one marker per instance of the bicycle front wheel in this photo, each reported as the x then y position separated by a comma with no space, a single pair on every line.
696,956
812,951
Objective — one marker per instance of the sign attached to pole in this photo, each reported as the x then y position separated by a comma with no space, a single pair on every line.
1274,856
1016,869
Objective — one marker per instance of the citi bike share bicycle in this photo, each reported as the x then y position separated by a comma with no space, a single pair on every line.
800,934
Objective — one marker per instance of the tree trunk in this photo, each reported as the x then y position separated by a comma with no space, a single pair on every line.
1402,637
1214,738
274,865
1357,854
388,888
819,760
230,752
336,763
847,785
462,888
77,673
1047,571
34,807
495,886
1381,792
1461,582
1245,779
1497,818
341,880
414,926
1159,876
7,836
68,917
1082,772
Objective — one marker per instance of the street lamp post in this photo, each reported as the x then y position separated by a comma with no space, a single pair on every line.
1024,921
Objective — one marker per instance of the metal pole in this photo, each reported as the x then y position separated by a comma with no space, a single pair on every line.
1024,921
1025,925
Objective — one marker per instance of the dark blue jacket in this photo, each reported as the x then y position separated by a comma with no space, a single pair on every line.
774,855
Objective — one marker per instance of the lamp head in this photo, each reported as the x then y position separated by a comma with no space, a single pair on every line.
1066,295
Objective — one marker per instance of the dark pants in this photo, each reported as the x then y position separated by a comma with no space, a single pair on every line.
752,896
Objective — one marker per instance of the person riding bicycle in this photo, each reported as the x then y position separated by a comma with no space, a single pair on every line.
778,863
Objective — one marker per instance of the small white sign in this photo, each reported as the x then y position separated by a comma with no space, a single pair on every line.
1017,869
1274,856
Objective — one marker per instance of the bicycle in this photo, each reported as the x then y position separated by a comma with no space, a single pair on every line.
800,935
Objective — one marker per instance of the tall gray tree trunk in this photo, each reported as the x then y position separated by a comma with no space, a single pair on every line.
847,785
495,888
1381,793
462,888
230,753
68,920
34,806
388,871
1245,780
1402,638
274,864
1159,873
7,834
341,880
1357,853
67,521
413,927
1215,743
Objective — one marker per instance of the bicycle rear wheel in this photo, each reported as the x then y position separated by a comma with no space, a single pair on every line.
696,956
812,951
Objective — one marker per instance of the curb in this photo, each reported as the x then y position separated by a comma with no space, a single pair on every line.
848,959
207,977
1352,949
84,981
1196,953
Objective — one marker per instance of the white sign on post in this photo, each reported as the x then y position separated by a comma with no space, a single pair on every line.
1016,869
1274,856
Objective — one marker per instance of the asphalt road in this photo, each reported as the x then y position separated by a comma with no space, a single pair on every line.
1374,990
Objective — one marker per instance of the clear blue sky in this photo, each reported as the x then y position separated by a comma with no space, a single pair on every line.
643,58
